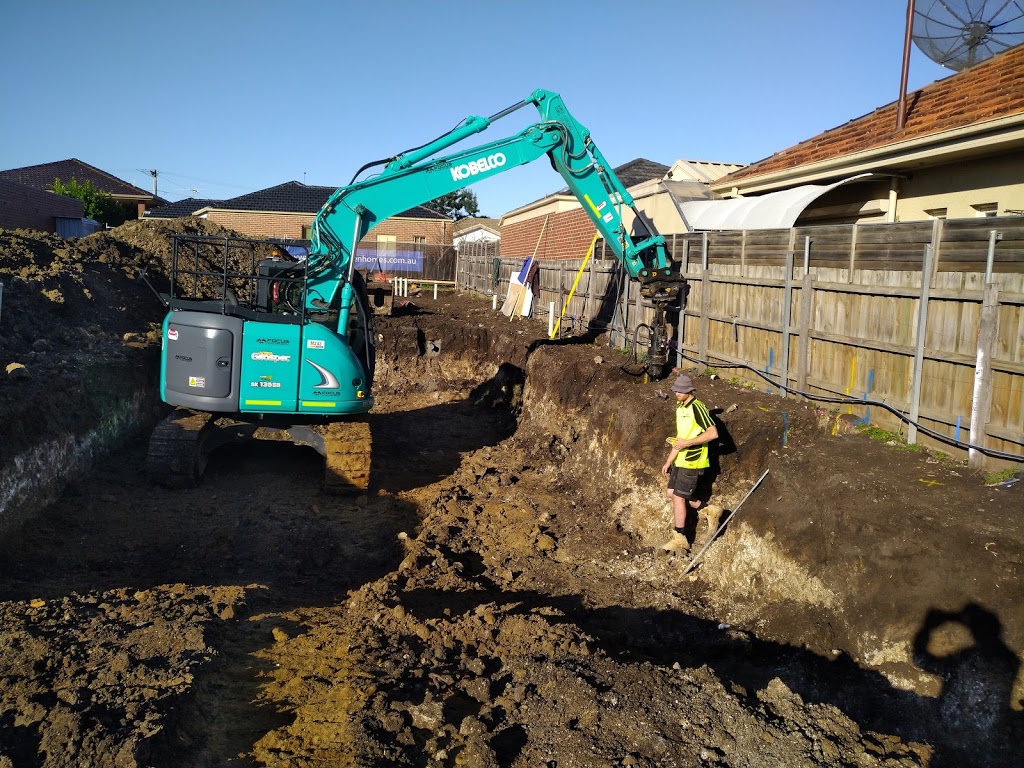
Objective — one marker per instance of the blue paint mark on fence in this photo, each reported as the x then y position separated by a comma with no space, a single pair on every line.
866,419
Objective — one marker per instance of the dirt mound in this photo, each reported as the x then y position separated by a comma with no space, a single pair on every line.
74,310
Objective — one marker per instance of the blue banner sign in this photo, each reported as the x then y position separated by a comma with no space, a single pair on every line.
403,261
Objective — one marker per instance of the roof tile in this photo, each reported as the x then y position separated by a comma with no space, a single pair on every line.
991,89
42,177
294,197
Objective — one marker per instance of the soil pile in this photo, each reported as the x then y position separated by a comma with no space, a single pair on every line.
500,598
74,315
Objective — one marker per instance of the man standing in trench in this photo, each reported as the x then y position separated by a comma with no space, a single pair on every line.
687,461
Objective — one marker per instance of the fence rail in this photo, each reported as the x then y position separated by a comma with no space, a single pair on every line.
924,318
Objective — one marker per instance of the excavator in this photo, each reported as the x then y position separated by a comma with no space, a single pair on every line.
260,343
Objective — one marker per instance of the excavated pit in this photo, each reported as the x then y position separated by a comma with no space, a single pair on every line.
500,599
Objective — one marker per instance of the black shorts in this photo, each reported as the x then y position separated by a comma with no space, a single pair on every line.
683,481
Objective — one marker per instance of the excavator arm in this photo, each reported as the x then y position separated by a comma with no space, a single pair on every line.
419,175
268,363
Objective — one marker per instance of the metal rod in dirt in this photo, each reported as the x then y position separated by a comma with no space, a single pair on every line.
727,520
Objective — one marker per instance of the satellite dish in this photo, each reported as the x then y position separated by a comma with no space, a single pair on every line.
961,33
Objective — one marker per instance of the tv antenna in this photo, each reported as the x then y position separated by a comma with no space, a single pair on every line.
958,34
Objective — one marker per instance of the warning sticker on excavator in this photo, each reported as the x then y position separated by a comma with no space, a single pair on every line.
172,334
197,381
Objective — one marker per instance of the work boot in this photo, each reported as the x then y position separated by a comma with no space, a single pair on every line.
677,543
713,514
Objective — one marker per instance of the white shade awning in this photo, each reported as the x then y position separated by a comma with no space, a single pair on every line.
775,210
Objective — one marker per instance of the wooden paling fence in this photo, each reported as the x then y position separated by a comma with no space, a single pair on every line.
920,319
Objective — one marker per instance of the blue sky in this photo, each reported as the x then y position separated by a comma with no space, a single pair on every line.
224,98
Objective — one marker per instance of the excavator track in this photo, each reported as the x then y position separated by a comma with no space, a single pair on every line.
347,449
175,458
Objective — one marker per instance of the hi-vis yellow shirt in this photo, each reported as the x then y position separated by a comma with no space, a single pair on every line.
692,419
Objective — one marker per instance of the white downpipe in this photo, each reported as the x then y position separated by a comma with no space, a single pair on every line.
977,432
551,319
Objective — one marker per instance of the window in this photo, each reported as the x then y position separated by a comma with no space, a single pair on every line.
419,243
984,210
935,213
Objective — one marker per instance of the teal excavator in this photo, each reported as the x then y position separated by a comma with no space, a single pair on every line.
262,343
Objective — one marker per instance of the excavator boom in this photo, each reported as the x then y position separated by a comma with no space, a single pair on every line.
418,176
283,348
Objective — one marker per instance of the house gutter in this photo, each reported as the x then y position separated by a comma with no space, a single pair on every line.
1004,130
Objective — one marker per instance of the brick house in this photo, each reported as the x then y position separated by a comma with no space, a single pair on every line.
135,201
476,229
287,211
960,154
556,226
24,207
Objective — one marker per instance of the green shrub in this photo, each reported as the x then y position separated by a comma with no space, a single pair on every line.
98,204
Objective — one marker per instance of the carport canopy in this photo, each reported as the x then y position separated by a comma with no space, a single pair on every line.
774,210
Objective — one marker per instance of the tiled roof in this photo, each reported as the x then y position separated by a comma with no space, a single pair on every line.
177,210
640,170
42,177
634,172
290,197
472,222
992,89
294,197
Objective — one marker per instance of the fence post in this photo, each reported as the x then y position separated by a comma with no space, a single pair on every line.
705,312
743,254
804,344
937,229
922,327
853,252
787,310
561,288
588,306
988,326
